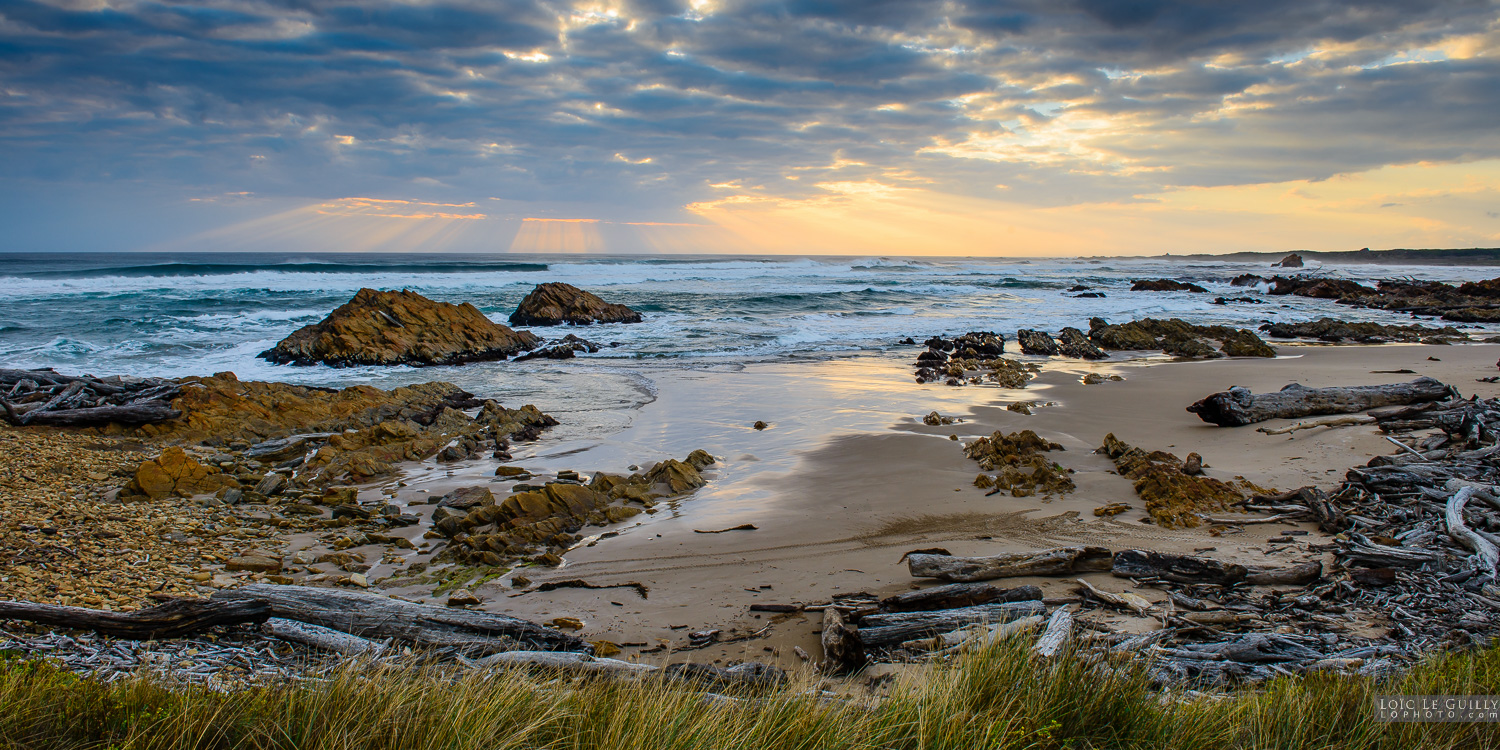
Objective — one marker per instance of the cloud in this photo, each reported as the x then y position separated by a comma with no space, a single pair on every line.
630,111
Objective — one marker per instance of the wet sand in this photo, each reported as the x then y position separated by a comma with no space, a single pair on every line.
848,478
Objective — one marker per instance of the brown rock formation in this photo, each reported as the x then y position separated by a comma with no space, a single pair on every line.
175,473
1173,497
1165,285
557,303
394,328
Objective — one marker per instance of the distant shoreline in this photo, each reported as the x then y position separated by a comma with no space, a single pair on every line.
1473,256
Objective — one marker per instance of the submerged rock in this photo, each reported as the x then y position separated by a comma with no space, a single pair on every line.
556,303
395,328
1165,285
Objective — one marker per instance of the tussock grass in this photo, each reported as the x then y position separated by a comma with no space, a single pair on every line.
1002,697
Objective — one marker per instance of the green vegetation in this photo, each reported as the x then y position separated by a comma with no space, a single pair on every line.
999,698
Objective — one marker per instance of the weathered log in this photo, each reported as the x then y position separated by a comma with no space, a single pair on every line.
176,618
143,413
751,674
879,631
955,595
1059,631
1126,600
1136,563
1486,552
367,615
1361,551
1292,575
319,637
843,644
971,636
1058,561
1238,406
1344,421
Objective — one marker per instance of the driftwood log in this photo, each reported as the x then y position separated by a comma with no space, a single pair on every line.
1059,631
44,397
143,413
1238,406
883,631
843,646
319,637
566,661
377,617
1136,563
1058,561
955,595
176,618
1487,554
1291,575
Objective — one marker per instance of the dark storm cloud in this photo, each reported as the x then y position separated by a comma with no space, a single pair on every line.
643,109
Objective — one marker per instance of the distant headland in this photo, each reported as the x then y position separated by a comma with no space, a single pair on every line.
1473,256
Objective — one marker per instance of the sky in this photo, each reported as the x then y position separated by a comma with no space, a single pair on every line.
892,127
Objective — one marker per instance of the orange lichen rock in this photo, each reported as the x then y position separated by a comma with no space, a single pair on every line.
1173,498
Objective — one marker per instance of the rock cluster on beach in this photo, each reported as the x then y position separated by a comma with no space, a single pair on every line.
556,303
971,359
538,523
1178,338
1331,330
396,328
1175,493
1020,468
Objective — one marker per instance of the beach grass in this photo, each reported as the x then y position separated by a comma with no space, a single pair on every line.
1001,697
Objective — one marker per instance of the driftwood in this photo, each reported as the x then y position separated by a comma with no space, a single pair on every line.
1135,563
878,631
972,636
326,639
373,616
1126,600
843,646
955,595
1058,561
176,618
45,397
1485,550
1237,406
1059,631
1292,575
1345,421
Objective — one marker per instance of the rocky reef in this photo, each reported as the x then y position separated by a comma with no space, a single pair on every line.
1332,330
538,523
399,328
971,359
556,303
1470,302
1165,285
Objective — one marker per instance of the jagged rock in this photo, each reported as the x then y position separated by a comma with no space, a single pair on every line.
1125,337
1165,285
1291,261
1487,288
557,303
1072,343
393,328
1191,347
462,598
174,473
1036,342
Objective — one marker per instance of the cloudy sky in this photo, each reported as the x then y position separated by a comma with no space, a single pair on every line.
1019,127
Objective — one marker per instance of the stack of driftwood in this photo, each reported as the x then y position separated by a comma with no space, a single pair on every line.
45,397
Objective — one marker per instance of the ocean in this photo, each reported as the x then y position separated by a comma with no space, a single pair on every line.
199,313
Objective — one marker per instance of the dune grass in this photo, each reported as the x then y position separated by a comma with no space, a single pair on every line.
1002,697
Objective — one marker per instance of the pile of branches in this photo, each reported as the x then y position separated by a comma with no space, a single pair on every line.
45,397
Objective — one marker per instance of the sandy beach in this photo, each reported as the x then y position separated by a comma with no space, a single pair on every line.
847,478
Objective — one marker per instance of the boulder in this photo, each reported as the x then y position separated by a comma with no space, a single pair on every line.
1291,261
1243,343
1036,342
467,498
395,328
175,473
557,303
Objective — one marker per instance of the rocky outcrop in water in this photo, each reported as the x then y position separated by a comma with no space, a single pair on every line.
1291,261
1177,338
1165,285
396,328
972,359
1333,331
556,303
